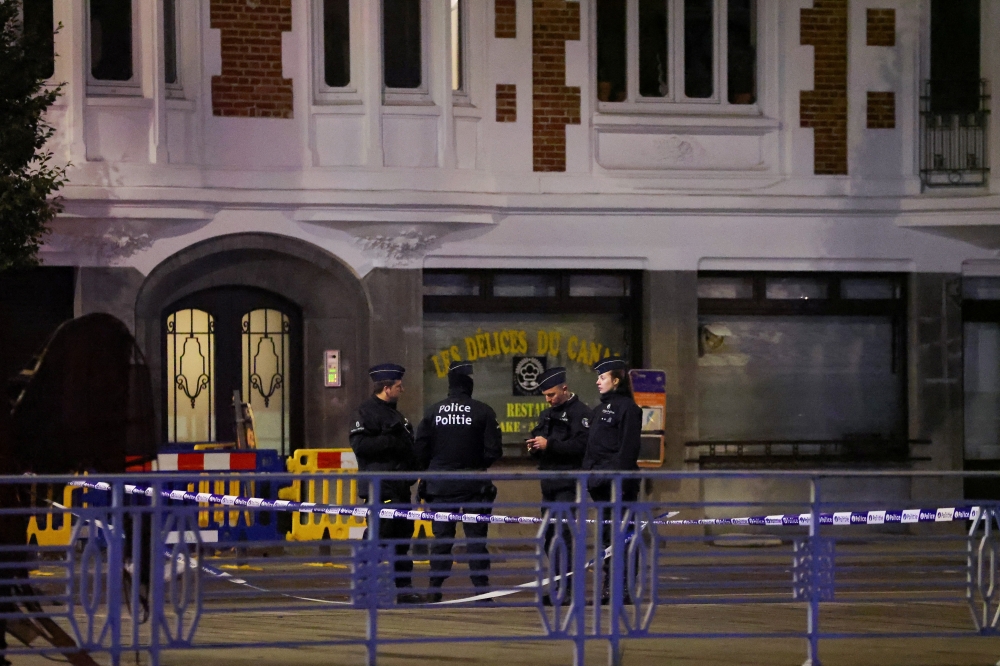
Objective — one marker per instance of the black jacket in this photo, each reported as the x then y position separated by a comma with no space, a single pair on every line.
458,433
382,440
615,432
566,429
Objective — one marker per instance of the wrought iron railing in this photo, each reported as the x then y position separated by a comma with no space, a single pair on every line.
954,147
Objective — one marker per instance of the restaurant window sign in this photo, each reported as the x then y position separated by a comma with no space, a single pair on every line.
511,340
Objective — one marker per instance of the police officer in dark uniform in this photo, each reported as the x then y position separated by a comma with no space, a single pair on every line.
459,433
613,444
558,442
382,440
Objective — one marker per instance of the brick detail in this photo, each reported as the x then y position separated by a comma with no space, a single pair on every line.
824,108
554,104
881,27
506,103
251,85
505,19
881,110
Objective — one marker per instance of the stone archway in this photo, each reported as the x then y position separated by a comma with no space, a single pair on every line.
335,315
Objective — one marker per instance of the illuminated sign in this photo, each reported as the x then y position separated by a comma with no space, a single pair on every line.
331,363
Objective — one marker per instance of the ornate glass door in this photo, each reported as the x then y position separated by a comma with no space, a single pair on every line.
227,340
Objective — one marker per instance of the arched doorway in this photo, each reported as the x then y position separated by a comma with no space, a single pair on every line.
228,341
229,277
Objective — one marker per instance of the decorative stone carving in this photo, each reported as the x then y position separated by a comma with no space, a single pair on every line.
396,249
99,241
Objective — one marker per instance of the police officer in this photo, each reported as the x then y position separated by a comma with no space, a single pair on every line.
459,433
382,440
613,443
558,442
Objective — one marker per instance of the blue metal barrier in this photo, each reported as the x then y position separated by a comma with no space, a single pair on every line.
807,569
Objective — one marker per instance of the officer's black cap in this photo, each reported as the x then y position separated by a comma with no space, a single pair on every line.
460,368
608,364
386,372
551,378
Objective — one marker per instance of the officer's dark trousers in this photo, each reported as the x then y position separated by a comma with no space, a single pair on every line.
602,493
563,495
475,544
400,530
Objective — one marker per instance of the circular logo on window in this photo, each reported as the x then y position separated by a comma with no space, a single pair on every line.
526,372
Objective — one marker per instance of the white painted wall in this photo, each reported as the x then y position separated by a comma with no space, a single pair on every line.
388,184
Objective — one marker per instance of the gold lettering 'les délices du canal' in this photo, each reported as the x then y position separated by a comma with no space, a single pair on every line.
513,342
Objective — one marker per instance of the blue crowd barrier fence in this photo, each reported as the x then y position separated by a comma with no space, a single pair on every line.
818,562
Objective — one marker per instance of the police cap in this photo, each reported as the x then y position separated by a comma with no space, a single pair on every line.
551,378
460,368
608,364
386,372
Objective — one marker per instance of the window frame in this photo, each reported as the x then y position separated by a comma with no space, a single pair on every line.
676,102
326,94
420,95
461,96
130,88
174,90
629,307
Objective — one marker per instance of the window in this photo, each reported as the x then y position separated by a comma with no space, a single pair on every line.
657,51
458,46
38,27
955,72
403,46
795,366
515,324
336,71
112,47
336,43
171,75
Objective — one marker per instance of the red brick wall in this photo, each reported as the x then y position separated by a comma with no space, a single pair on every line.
506,103
881,110
881,27
251,85
824,108
505,19
554,104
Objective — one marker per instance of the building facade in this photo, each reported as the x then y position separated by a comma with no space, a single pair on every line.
785,205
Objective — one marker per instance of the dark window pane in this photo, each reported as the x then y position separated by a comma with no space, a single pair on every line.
39,29
170,41
653,65
698,48
742,40
111,39
401,43
785,288
955,56
981,288
525,285
336,43
869,288
613,286
611,51
450,284
725,287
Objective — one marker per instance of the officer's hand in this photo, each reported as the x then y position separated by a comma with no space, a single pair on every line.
538,443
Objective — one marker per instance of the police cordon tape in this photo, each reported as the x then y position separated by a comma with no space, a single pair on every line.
887,517
312,507
906,516
188,561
